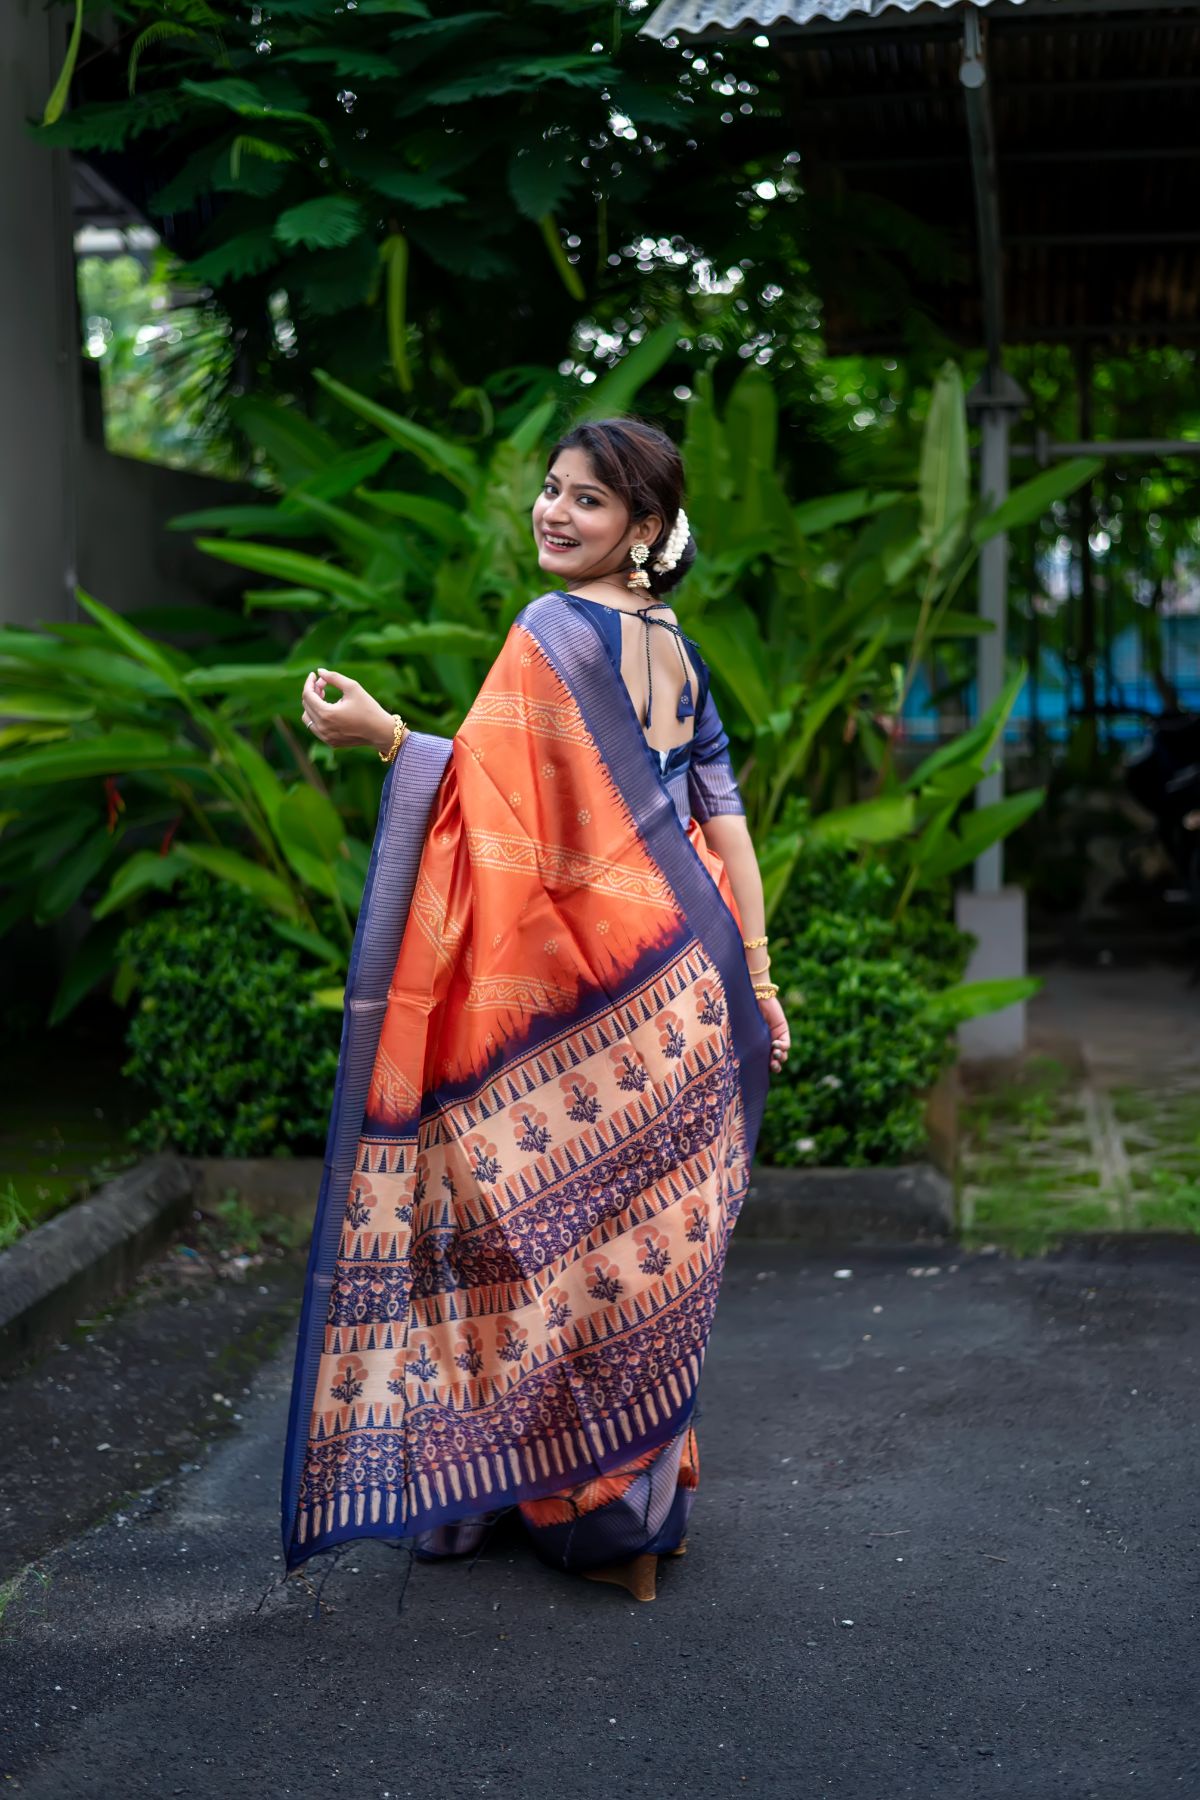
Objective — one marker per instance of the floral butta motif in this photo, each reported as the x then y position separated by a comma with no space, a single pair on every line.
531,1247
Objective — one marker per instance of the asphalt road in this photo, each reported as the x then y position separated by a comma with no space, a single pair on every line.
945,1546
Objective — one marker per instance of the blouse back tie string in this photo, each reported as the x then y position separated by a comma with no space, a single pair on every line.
686,706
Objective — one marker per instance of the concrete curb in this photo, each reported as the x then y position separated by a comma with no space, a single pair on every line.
811,1206
87,1253
288,1185
913,1203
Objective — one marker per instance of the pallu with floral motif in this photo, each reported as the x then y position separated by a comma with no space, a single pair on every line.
550,1086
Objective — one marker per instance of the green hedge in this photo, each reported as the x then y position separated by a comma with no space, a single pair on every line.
854,983
234,1057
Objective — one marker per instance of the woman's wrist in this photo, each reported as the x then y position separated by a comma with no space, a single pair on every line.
385,731
758,957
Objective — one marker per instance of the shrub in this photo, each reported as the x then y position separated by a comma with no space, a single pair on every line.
234,1056
854,982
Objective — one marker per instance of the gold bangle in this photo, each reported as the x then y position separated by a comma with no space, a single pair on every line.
766,990
752,943
399,732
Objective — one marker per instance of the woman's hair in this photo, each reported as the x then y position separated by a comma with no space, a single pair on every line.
644,469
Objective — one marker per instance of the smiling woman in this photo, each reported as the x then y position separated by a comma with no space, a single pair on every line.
554,1063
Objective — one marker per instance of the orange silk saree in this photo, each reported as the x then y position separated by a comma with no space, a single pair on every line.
550,1085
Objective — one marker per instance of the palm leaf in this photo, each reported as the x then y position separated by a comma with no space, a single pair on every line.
437,453
295,567
943,481
615,392
107,754
1029,502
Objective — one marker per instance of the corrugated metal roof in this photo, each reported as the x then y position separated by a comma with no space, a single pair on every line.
1097,159
688,18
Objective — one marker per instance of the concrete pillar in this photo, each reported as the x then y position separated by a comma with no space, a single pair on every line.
997,921
996,400
39,340
994,913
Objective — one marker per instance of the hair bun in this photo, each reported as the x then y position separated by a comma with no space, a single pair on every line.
672,550
672,577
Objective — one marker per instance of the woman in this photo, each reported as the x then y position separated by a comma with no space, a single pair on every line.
557,1033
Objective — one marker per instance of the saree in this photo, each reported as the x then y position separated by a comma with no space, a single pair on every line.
549,1089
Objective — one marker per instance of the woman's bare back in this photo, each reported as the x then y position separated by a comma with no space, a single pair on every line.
670,666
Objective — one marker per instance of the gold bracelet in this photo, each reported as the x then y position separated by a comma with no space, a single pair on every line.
766,990
399,732
765,971
752,943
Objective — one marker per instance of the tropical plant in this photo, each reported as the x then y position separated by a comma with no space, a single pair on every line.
225,1042
869,988
816,618
126,760
432,576
441,189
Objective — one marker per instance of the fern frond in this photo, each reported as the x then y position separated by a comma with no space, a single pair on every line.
111,124
354,65
154,34
322,224
195,12
256,146
249,253
328,282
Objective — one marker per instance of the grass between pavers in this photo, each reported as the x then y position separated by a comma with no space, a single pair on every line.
1044,1156
1161,1131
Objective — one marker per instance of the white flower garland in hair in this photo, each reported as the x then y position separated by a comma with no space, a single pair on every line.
672,550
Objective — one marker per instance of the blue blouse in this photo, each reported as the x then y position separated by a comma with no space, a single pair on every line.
698,773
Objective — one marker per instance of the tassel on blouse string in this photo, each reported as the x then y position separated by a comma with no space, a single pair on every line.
686,706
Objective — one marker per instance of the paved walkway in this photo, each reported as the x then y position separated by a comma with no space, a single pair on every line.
945,1547
1131,1023
1101,1129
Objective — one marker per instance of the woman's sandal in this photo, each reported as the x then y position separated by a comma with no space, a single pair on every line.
636,1576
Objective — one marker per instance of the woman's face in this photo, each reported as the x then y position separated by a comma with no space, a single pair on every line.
582,530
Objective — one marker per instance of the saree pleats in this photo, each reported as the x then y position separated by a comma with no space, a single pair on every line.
515,1268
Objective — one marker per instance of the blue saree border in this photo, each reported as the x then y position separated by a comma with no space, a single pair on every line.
400,830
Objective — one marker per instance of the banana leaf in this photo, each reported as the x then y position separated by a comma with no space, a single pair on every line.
111,753
975,999
438,454
977,831
881,820
145,870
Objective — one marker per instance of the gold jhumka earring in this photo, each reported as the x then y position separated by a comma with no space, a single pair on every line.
638,554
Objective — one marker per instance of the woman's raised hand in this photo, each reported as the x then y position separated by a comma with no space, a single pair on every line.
354,721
